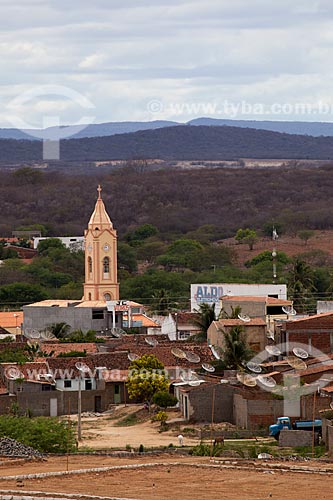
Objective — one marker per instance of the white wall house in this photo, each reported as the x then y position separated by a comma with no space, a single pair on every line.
74,243
212,292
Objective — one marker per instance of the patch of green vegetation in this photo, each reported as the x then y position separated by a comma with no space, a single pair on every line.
45,434
131,419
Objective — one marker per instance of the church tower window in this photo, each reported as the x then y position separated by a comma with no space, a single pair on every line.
106,265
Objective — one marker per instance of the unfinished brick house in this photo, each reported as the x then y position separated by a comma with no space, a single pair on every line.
314,332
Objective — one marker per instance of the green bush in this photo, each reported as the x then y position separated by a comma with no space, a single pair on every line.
164,399
45,434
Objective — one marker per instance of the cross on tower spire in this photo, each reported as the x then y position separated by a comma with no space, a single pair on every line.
99,189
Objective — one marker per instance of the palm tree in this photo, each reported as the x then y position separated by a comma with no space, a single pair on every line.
59,330
235,311
236,349
300,283
206,316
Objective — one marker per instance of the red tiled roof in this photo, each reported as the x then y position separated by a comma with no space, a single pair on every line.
252,298
8,320
64,347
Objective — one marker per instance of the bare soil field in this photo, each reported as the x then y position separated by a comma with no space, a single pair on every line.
191,479
322,240
104,432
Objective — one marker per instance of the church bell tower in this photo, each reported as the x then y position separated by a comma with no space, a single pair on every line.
100,243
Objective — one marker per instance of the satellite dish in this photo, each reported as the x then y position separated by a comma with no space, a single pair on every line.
289,310
132,357
188,376
254,367
270,335
246,379
331,405
296,363
194,383
300,353
244,317
46,335
272,350
117,332
178,353
266,381
82,367
208,367
192,357
215,352
151,342
34,334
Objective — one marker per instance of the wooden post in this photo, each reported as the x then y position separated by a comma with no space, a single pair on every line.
313,422
212,423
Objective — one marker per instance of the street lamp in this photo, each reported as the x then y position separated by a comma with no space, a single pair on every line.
16,327
83,368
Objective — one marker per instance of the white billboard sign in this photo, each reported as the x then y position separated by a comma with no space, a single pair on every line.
212,292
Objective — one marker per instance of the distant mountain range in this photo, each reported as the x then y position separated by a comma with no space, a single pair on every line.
315,129
183,142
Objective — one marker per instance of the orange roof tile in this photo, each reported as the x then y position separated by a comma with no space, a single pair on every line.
9,319
235,321
254,298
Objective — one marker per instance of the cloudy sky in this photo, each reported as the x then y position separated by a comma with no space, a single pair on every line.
117,60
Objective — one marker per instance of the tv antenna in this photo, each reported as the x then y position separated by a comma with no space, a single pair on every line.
117,332
194,383
246,379
296,363
244,317
47,335
178,353
152,342
266,381
208,367
215,352
300,353
254,367
270,334
132,357
82,367
192,357
289,310
273,350
188,376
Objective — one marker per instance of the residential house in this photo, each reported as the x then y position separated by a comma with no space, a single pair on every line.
181,325
254,332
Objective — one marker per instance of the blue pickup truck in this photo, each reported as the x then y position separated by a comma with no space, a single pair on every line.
302,425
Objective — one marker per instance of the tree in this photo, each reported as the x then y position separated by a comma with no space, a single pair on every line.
164,399
44,246
21,293
146,377
59,330
300,283
206,316
248,236
236,349
305,235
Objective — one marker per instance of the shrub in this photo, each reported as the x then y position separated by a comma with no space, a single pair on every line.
45,434
164,399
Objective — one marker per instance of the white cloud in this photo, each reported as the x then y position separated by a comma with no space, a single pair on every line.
122,54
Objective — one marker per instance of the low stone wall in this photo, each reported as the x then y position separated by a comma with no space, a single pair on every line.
297,438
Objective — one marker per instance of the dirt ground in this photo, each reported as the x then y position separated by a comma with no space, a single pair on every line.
102,432
162,482
322,240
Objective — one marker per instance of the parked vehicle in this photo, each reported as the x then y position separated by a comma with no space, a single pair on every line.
302,425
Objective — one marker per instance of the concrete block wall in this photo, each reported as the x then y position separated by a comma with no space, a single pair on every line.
296,438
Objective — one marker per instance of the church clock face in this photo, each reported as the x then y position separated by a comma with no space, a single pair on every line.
106,247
